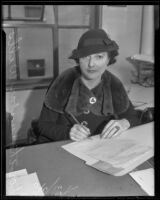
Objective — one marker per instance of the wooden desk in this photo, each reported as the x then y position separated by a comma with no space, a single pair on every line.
61,173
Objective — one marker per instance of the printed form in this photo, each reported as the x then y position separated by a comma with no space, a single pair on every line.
117,156
20,183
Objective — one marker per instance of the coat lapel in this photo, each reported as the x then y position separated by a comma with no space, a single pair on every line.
61,96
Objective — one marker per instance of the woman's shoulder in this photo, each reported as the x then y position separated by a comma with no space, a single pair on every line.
70,73
67,74
112,78
65,79
59,89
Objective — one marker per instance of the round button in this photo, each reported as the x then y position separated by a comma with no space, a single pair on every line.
86,111
92,100
84,123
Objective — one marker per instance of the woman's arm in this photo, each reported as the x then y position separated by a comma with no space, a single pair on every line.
125,120
53,126
122,104
131,115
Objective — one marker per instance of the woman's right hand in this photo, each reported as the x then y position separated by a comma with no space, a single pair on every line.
79,132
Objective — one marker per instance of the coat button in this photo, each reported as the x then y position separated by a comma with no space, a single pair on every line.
84,123
86,111
92,100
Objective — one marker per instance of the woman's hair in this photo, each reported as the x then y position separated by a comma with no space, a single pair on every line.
112,57
111,54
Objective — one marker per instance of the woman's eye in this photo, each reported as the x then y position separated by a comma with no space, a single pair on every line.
99,56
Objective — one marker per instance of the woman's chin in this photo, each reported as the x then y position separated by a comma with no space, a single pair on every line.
91,76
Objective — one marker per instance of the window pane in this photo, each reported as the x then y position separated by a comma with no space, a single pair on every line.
26,11
73,15
68,40
36,53
10,54
5,12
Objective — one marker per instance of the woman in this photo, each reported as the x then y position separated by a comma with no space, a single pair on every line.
87,99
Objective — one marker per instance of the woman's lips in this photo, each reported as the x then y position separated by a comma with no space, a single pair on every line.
91,71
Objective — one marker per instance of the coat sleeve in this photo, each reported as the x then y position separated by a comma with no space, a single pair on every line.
52,126
122,104
131,115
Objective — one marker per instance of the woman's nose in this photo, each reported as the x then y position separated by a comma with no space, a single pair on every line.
91,62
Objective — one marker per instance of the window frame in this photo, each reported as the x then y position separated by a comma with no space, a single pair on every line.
34,83
95,22
10,18
40,83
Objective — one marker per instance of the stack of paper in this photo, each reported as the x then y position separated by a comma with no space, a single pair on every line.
145,178
141,97
20,183
120,156
117,156
143,57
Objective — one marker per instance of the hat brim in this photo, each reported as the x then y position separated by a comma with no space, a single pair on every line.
90,50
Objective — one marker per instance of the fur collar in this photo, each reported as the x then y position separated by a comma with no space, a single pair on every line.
61,94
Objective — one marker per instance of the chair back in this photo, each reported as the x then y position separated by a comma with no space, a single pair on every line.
8,129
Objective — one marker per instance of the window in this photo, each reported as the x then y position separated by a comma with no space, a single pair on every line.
23,12
29,56
39,40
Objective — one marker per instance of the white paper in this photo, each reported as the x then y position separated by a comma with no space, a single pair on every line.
26,185
143,134
121,153
142,105
21,172
80,148
119,157
141,96
143,57
116,152
145,178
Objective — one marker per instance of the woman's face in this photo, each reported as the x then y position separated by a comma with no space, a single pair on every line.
93,66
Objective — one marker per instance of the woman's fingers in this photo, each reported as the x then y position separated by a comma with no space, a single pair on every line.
83,129
78,132
113,133
107,129
115,128
76,137
112,129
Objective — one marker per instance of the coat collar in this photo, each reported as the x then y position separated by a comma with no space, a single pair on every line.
60,90
107,106
61,95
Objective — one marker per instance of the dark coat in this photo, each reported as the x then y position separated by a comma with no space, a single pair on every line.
54,123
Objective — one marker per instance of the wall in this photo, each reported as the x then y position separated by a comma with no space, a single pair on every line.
24,107
124,25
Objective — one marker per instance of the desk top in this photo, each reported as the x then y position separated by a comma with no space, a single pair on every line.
61,173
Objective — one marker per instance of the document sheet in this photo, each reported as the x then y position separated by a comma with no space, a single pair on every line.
116,156
16,173
145,178
20,183
119,156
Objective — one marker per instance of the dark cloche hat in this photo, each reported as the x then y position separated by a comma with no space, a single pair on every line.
93,41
